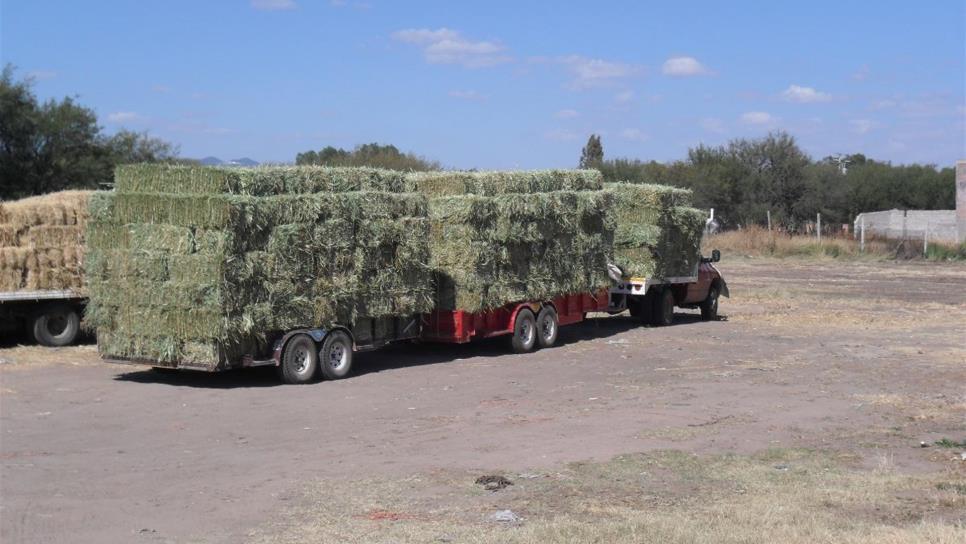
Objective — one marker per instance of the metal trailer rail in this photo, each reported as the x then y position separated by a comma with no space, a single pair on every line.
28,296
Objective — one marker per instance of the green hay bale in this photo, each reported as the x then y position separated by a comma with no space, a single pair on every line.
260,181
440,184
491,251
209,275
657,235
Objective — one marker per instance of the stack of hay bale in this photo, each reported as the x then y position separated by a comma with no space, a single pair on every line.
658,232
503,237
195,265
42,242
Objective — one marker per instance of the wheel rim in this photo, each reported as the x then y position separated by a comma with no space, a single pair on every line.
337,355
548,327
56,324
526,331
303,359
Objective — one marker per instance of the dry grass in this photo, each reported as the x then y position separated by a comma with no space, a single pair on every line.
756,241
789,496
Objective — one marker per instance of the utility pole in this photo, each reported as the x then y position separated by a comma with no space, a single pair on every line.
862,235
818,225
768,212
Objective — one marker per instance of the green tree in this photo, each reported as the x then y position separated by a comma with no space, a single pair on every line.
58,144
592,155
372,155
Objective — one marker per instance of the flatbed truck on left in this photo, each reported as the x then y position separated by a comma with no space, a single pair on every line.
50,317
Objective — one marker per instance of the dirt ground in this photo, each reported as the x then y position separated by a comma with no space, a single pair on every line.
797,417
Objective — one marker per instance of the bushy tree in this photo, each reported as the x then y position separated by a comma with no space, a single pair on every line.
373,155
592,155
58,144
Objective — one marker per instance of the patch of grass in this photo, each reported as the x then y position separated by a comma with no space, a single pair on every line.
947,443
959,488
793,496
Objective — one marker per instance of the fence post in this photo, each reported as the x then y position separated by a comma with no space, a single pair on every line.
818,227
862,235
925,239
768,212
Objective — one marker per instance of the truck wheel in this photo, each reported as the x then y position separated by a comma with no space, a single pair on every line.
299,360
56,325
524,332
547,327
709,308
336,355
663,308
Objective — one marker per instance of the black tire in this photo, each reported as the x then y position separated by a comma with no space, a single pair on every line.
56,325
300,360
548,326
335,357
641,308
524,332
663,308
709,308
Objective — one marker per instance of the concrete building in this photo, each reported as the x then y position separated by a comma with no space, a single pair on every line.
961,199
942,225
909,224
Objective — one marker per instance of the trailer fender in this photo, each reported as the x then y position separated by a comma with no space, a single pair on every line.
316,334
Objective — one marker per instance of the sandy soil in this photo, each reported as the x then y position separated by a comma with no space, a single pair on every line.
864,359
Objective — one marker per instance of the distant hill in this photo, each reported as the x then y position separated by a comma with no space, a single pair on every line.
215,161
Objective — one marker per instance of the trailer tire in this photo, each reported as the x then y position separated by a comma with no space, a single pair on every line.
300,361
640,307
548,327
709,307
55,325
335,357
524,332
663,308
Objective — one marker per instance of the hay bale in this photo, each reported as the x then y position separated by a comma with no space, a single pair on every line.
658,234
42,242
202,276
503,237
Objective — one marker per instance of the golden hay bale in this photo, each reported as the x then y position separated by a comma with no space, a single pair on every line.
63,208
8,236
13,258
11,279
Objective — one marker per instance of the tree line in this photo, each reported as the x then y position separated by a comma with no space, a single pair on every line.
746,179
374,155
56,145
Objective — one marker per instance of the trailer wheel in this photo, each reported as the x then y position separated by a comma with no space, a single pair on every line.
709,308
299,360
663,308
547,327
524,332
336,355
56,325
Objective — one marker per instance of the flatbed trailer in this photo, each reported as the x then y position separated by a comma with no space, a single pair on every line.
51,317
303,355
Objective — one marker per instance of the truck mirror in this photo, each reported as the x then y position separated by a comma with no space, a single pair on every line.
715,255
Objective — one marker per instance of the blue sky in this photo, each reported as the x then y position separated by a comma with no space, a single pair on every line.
505,84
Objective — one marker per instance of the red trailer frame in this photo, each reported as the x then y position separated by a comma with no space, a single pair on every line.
460,327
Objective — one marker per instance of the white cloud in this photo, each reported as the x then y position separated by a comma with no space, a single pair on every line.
633,134
445,46
273,5
861,126
624,97
862,73
589,72
468,95
123,117
566,114
40,75
804,95
713,124
884,104
757,118
560,135
684,67
161,89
